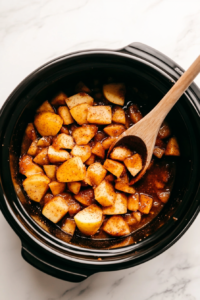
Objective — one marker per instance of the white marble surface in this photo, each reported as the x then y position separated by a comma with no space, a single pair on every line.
35,31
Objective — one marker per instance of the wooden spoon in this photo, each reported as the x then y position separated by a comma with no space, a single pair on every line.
141,136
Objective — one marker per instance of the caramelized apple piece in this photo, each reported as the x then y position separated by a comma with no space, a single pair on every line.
69,226
50,171
158,152
42,158
95,174
133,202
119,206
55,209
114,129
74,187
59,99
110,177
63,141
65,114
120,153
71,170
32,150
56,156
45,141
90,160
85,197
118,115
100,115
108,142
164,131
135,113
115,93
84,152
98,150
80,112
84,134
79,98
163,196
48,123
145,203
114,167
36,186
134,164
57,187
172,148
105,193
46,106
116,226
27,167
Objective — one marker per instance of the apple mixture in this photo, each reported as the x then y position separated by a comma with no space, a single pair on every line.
67,170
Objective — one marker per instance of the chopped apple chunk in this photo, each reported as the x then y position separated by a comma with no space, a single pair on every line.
98,150
84,152
134,164
46,106
74,187
56,156
164,131
30,132
42,158
137,215
124,187
115,93
90,160
159,184
80,112
114,167
145,203
108,142
44,141
114,130
133,202
55,209
32,150
105,193
57,187
59,99
116,226
120,153
63,141
85,197
95,174
130,219
50,171
119,207
82,135
79,98
135,113
36,186
158,152
172,148
110,177
65,130
48,123
89,219
71,170
65,114
99,115
163,195
27,167
118,115
69,226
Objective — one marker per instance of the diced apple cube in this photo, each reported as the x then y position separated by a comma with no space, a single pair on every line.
114,167
158,152
145,203
84,134
119,207
80,112
65,114
163,195
74,187
120,153
65,130
57,187
48,123
30,132
56,156
133,202
59,99
134,164
108,142
118,115
95,174
98,150
46,106
42,158
32,150
164,131
124,187
79,98
100,115
130,219
100,136
115,93
85,197
137,215
36,186
105,193
63,141
89,219
71,170
90,160
135,113
45,141
114,129
84,152
159,184
55,209
172,148
50,171
69,226
116,226
27,167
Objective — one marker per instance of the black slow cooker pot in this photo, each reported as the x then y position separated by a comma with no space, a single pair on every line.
154,73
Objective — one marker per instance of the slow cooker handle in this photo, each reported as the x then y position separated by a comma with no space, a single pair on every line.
43,262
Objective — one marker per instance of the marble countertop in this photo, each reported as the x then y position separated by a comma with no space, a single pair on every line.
36,31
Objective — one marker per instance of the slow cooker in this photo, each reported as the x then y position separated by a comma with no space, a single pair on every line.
49,250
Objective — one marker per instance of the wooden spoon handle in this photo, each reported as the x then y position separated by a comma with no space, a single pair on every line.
169,100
